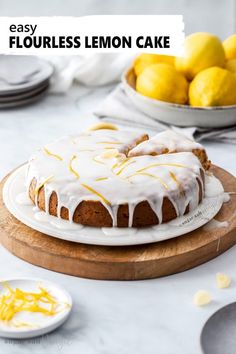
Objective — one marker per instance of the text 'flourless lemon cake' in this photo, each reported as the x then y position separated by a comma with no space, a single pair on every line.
109,177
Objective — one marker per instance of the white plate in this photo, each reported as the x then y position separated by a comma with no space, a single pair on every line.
53,226
177,114
43,324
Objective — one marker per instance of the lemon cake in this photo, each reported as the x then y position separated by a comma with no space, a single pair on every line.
108,177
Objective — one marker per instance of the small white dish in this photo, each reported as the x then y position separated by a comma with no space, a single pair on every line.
40,324
178,114
28,214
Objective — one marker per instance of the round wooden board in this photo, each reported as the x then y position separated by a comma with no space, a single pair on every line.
122,263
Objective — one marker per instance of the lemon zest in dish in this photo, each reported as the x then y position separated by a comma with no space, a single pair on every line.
58,157
71,168
96,193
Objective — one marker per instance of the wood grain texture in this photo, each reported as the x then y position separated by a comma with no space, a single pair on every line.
122,263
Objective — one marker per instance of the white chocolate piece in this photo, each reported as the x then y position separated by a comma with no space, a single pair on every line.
202,298
223,281
167,141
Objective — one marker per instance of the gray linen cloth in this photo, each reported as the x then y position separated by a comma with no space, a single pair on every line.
118,109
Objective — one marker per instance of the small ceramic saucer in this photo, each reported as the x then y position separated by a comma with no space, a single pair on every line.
39,323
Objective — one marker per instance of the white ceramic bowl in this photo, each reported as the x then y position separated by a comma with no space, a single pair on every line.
178,114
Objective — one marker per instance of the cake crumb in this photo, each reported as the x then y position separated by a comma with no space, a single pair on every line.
201,298
223,281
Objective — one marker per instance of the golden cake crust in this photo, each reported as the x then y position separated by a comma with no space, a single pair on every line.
93,213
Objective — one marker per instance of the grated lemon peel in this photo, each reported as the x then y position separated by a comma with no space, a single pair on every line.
101,179
102,125
202,298
36,191
161,164
71,168
14,301
150,175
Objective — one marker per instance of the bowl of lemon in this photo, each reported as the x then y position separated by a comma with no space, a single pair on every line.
197,89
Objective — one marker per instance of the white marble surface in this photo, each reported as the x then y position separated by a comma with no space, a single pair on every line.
142,317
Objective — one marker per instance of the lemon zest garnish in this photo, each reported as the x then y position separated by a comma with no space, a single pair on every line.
21,324
101,179
150,175
17,300
103,126
161,164
52,154
110,154
71,168
42,184
86,150
95,192
124,167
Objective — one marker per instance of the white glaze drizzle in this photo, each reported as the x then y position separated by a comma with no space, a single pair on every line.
124,184
215,224
167,140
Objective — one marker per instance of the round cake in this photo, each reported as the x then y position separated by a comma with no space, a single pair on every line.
109,177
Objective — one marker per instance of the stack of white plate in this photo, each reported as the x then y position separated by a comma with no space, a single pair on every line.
23,79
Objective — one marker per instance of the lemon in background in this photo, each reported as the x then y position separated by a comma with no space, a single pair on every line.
230,47
163,82
201,51
213,87
231,65
144,60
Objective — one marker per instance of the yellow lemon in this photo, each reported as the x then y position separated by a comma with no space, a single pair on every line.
163,82
201,51
213,87
230,47
144,60
231,65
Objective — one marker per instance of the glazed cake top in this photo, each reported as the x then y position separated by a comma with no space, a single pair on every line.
94,166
